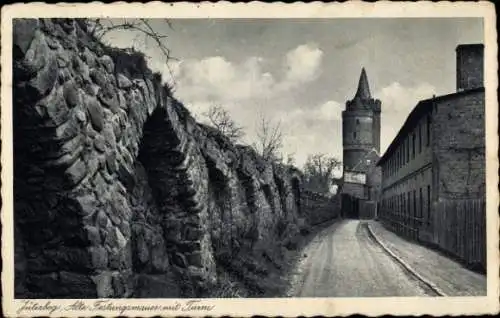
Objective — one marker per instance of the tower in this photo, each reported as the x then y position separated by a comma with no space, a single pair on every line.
360,138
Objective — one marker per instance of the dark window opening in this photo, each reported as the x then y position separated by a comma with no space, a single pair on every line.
415,203
357,121
413,140
401,204
419,138
405,212
421,203
428,131
428,204
354,134
401,156
409,204
407,150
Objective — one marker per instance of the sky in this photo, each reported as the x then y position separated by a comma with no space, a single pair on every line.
300,72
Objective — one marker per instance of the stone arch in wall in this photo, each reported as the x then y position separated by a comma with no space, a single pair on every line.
178,179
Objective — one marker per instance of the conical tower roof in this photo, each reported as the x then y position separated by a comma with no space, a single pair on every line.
363,91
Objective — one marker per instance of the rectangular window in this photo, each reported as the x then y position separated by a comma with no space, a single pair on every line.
419,138
408,202
415,203
397,159
428,204
404,204
396,204
428,143
407,150
413,141
401,203
421,201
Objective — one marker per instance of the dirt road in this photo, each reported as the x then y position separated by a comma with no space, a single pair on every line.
344,261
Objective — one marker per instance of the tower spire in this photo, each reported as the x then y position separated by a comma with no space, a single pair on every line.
363,91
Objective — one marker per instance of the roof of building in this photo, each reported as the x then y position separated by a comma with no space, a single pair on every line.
422,108
363,91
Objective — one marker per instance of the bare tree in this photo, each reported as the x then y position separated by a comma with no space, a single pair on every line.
220,119
318,172
269,139
98,28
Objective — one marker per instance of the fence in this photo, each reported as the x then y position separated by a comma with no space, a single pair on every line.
459,228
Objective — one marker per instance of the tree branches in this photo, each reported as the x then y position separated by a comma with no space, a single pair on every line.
318,172
220,119
99,28
269,139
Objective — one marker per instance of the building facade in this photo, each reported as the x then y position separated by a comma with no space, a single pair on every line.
438,154
361,144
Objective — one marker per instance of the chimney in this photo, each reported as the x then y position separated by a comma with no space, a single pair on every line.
469,66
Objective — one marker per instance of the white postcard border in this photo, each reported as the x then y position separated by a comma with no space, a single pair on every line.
279,306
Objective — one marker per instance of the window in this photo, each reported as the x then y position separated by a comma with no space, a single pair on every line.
419,138
414,202
413,140
428,143
407,150
408,202
404,204
428,204
397,159
421,207
401,155
401,203
357,121
354,134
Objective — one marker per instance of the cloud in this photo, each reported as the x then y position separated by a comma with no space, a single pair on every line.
302,64
249,88
327,111
215,78
397,102
313,130
399,98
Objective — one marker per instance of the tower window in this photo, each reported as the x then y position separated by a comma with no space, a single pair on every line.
354,134
357,121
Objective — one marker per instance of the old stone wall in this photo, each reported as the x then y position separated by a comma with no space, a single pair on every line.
320,208
119,192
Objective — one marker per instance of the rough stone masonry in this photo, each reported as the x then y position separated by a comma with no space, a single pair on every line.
119,192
